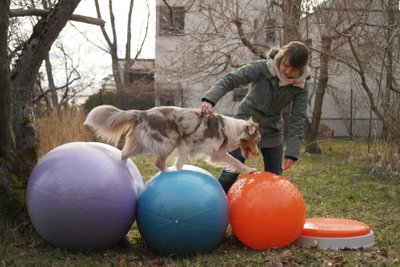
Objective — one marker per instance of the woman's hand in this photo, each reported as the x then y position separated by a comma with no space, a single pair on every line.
206,108
287,164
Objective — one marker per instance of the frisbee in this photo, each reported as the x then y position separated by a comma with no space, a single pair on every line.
335,233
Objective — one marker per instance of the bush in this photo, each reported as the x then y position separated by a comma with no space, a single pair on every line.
122,100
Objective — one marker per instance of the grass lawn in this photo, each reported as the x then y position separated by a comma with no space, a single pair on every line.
334,184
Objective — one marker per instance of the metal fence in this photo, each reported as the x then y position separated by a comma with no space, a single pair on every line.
354,127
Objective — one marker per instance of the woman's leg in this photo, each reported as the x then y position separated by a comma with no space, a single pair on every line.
272,157
227,178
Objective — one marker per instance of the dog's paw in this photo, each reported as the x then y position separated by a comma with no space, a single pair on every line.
250,170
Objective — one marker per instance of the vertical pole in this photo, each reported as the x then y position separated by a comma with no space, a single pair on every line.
101,97
182,105
351,114
369,129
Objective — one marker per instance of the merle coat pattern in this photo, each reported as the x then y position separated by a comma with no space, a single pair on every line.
161,130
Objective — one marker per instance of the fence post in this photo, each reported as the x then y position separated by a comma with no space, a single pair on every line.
369,128
351,114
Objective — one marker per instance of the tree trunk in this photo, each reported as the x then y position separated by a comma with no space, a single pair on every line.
112,45
5,83
17,160
291,11
312,129
23,77
120,72
52,86
127,61
5,109
119,85
391,11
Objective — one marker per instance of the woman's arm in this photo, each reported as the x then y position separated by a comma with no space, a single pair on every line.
232,80
296,125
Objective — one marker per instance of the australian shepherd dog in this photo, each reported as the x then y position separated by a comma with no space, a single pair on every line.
163,129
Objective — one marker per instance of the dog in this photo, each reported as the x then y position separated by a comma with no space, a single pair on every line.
161,130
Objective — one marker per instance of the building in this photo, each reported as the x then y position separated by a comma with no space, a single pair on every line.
197,43
140,76
192,52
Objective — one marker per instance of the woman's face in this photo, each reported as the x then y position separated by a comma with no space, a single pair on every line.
288,71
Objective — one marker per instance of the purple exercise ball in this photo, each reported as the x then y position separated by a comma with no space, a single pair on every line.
135,173
81,196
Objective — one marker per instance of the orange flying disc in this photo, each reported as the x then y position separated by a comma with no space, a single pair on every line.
334,227
335,233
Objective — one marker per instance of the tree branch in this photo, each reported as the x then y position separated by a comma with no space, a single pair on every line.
239,26
43,13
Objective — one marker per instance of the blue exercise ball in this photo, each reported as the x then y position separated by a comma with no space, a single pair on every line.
182,213
81,196
190,168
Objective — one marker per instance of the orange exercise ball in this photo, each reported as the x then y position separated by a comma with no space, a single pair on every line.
266,210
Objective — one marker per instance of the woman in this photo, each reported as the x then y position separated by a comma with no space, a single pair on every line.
276,82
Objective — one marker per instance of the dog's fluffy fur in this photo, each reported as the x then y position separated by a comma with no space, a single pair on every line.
161,130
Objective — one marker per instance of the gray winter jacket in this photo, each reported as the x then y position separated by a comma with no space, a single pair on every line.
264,102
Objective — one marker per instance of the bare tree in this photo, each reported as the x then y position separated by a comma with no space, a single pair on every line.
52,85
324,50
364,34
49,96
291,20
24,76
52,94
226,34
311,133
19,140
121,75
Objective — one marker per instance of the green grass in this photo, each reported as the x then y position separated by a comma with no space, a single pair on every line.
334,184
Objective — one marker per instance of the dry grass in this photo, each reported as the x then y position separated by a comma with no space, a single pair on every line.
67,126
383,158
60,128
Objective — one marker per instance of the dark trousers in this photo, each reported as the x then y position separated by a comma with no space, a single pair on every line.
272,157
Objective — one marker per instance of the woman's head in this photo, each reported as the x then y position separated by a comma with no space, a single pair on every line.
292,58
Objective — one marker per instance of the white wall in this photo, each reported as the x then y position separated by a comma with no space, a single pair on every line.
191,83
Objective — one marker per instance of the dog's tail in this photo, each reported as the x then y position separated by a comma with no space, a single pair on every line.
109,122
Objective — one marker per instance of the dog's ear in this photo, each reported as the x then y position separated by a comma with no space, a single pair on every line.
251,128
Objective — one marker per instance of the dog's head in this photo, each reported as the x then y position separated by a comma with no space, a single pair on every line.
249,144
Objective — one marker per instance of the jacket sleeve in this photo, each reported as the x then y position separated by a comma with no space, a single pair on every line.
232,80
296,124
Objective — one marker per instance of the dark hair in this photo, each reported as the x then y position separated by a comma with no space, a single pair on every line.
272,52
296,53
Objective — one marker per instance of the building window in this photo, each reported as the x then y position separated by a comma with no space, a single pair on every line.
239,93
168,94
141,77
167,100
172,20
